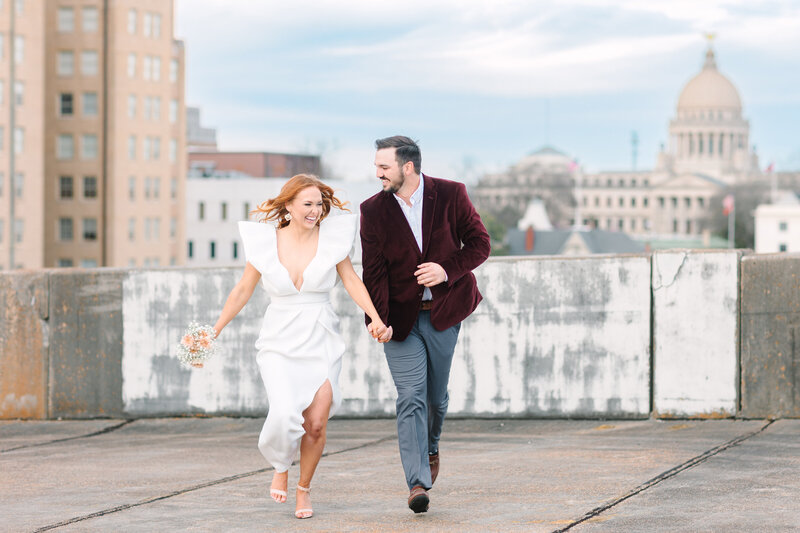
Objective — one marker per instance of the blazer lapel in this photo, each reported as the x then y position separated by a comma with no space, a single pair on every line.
397,217
428,208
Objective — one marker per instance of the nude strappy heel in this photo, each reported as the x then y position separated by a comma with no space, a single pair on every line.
275,493
303,513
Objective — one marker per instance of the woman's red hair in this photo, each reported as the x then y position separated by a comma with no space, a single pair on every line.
275,208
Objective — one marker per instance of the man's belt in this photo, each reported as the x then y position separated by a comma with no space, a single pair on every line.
426,305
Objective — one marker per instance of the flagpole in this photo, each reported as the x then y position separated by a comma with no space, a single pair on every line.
731,226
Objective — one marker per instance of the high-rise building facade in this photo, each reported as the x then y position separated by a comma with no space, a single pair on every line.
98,152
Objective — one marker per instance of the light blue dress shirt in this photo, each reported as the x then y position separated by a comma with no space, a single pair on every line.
413,215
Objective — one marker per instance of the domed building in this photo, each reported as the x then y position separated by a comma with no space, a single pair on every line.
708,134
707,151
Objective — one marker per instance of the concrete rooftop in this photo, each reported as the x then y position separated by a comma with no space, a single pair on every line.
206,474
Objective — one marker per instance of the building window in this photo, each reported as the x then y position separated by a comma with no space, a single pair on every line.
633,202
156,108
224,211
781,247
201,213
596,201
235,250
65,229
64,263
173,70
89,19
2,85
782,226
674,225
621,224
688,202
147,64
608,202
19,7
131,147
156,148
156,187
688,227
89,63
190,251
147,24
19,49
173,111
89,187
156,26
173,188
89,263
156,75
645,201
66,20
65,104
90,104
147,107
131,229
19,184
633,182
173,227
65,187
621,200
147,226
147,187
132,21
19,140
65,146
146,148
246,211
132,188
2,180
173,150
212,250
674,201
19,230
19,93
131,106
90,229
131,65
701,202
633,224
66,63
157,229
89,146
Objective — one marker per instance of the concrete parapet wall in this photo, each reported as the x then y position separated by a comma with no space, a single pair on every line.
554,337
770,357
695,333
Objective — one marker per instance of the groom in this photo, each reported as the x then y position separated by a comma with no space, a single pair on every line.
421,238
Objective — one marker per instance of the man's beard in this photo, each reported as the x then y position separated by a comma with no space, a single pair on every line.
394,187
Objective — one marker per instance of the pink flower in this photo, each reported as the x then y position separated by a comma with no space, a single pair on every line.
187,341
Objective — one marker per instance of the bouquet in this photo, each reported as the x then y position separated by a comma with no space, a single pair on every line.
197,344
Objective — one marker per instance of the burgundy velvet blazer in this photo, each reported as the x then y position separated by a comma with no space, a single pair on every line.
452,236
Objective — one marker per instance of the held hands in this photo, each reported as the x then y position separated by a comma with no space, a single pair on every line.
379,331
430,274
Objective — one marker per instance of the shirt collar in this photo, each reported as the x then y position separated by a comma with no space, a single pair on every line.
416,196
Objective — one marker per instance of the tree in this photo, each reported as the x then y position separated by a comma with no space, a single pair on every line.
497,232
747,196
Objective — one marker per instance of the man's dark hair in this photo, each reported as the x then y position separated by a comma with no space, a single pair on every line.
407,150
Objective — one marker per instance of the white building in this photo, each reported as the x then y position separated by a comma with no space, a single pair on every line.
778,225
214,206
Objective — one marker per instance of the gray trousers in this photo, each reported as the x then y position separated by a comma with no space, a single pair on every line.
420,367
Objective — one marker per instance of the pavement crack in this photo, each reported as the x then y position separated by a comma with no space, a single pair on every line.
193,488
694,461
103,431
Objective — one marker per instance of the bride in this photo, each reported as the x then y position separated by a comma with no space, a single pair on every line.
299,346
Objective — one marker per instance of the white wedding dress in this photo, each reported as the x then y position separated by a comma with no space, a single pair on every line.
299,346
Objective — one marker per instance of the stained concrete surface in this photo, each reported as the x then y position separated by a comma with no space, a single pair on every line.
205,474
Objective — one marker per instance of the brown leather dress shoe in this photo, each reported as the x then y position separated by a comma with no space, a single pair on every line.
418,499
433,460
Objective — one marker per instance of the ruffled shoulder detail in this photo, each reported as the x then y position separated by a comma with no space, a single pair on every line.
338,236
259,244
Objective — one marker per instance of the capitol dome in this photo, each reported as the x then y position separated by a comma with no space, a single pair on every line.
709,90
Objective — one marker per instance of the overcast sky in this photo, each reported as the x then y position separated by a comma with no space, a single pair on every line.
482,83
